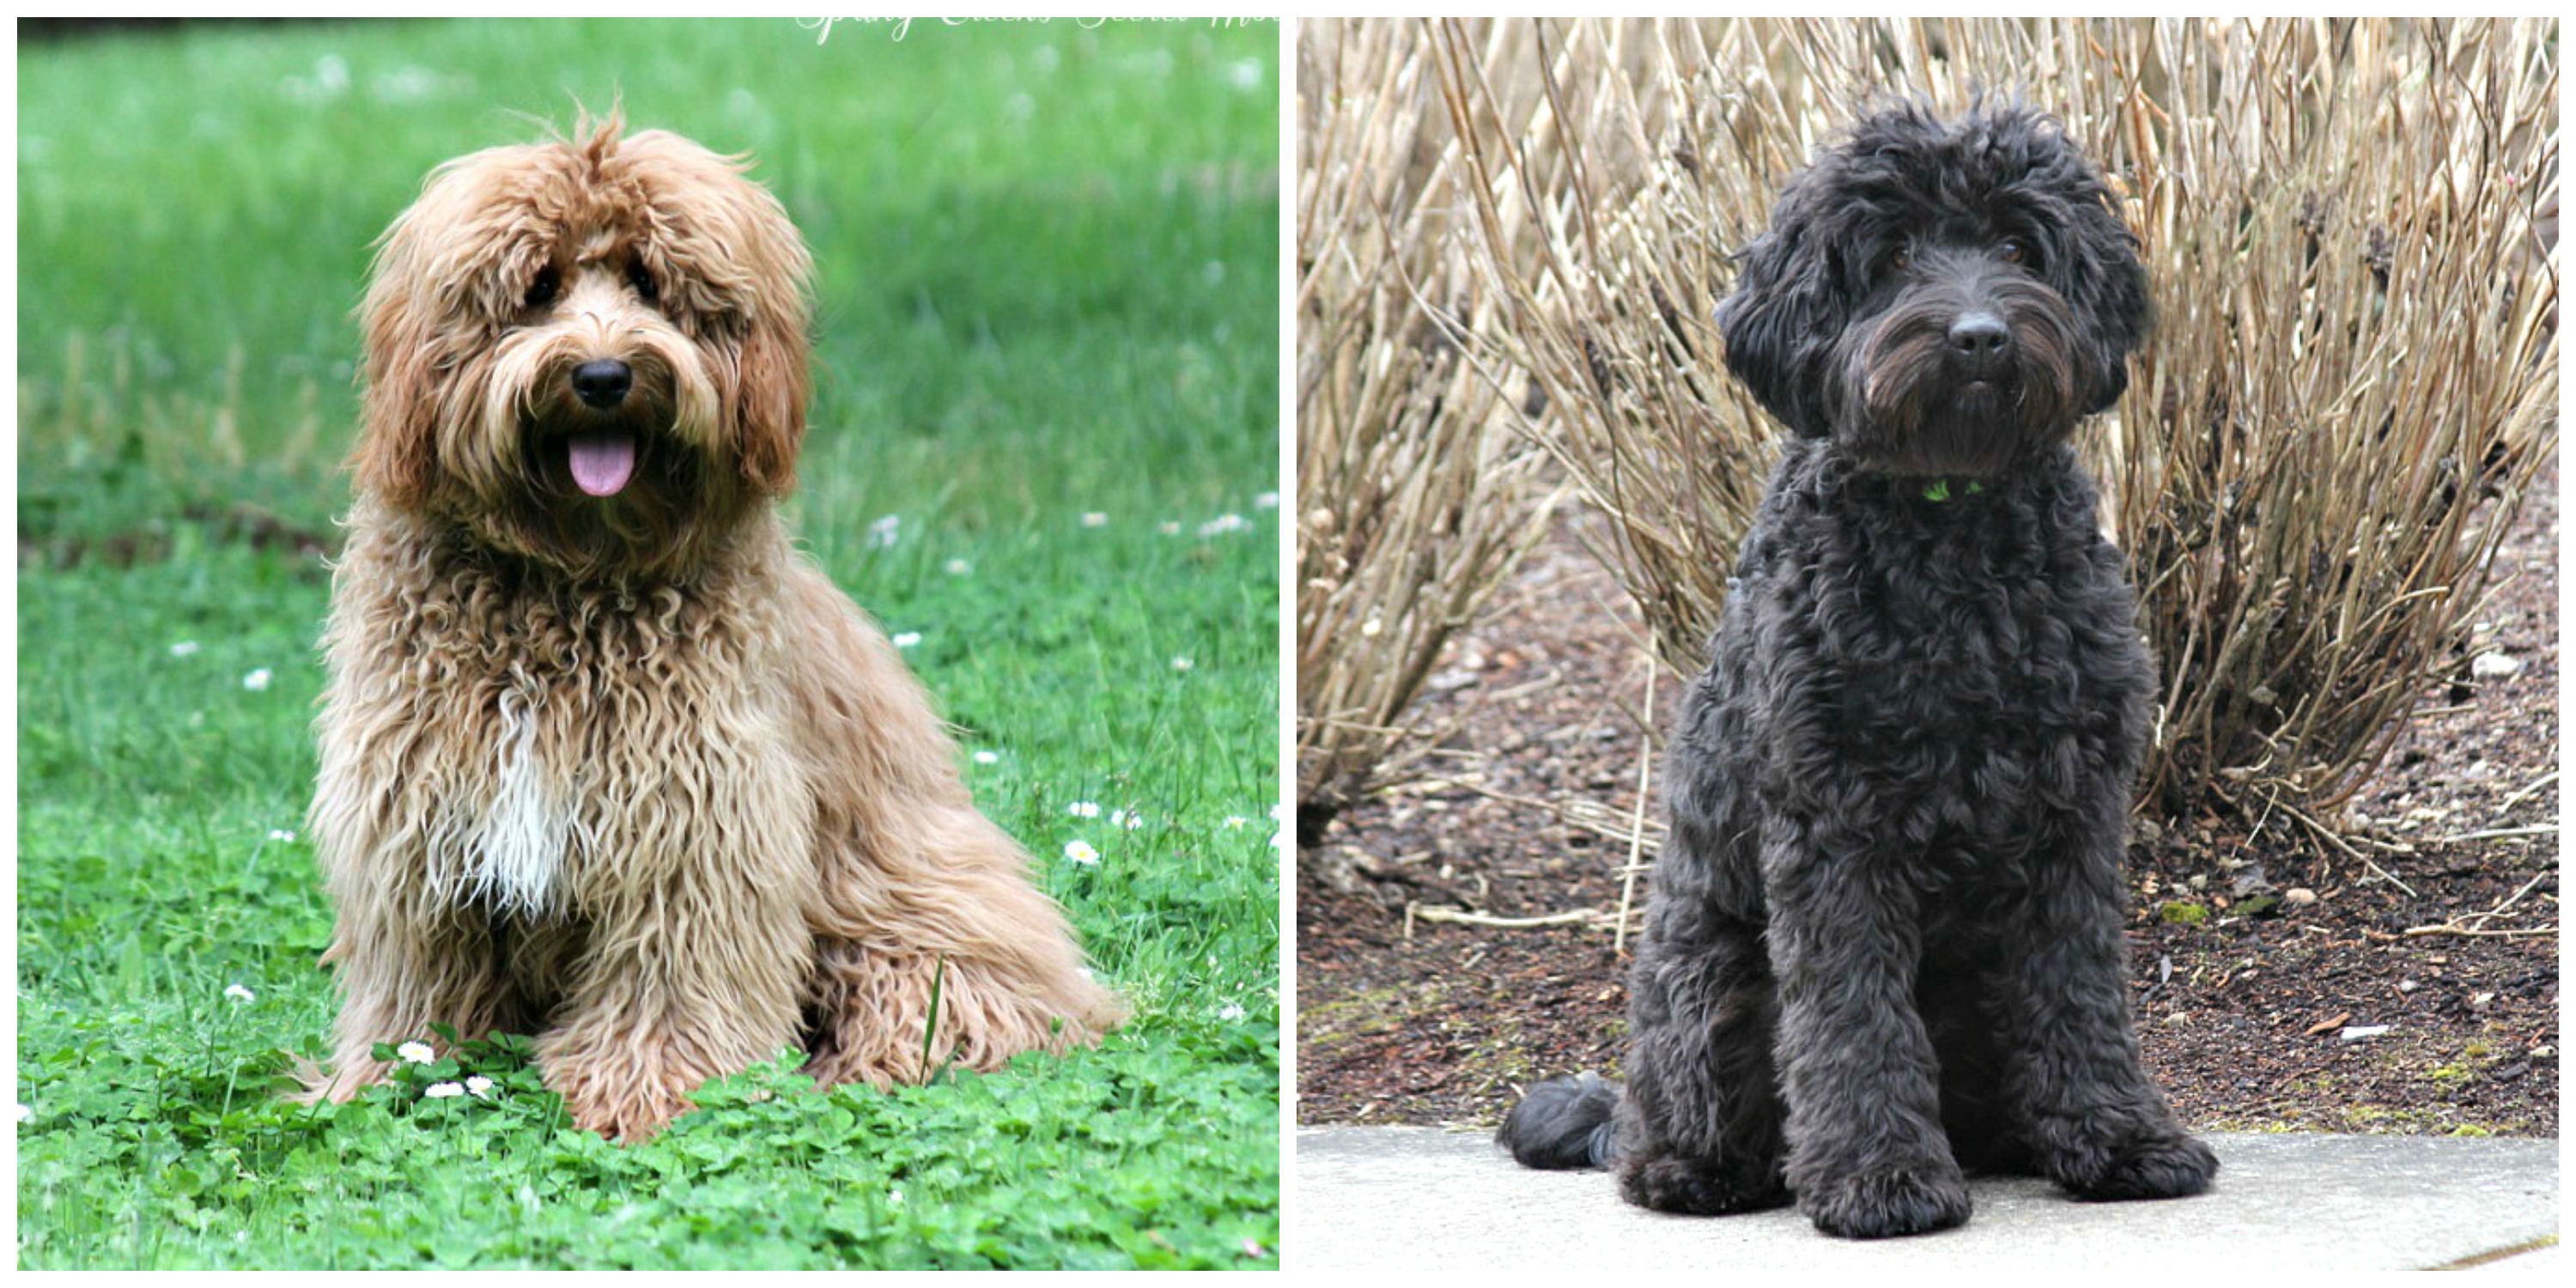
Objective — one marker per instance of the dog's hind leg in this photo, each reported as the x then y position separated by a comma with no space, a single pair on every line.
920,894
932,947
882,1014
1699,1124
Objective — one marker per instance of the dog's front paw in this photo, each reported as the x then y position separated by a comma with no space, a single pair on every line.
1699,1188
1881,1202
2160,1168
628,1119
628,1104
339,1083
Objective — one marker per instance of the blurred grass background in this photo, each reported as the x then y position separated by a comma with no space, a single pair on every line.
1043,438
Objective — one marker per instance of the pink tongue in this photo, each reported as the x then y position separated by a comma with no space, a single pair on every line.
601,462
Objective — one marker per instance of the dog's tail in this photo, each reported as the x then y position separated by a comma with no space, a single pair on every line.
1562,1124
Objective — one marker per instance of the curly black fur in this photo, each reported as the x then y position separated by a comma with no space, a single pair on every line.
1885,939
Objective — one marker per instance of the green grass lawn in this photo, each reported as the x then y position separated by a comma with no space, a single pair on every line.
1044,440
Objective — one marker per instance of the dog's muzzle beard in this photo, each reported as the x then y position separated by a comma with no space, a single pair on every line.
1958,380
595,479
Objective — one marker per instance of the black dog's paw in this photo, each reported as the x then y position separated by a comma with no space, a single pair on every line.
1697,1188
1885,1201
2163,1168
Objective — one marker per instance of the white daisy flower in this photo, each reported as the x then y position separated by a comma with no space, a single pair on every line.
1182,664
1095,519
238,993
1082,853
478,1087
988,758
22,1113
907,639
884,532
1083,809
1266,501
894,1197
1126,818
184,648
415,1053
257,681
280,834
1229,1013
1236,822
444,1090
959,567
1224,523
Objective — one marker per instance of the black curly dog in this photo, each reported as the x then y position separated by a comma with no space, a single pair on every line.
1885,940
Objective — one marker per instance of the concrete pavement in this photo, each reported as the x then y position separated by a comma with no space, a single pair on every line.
1402,1199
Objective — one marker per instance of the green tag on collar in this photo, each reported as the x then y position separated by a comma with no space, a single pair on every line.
1939,489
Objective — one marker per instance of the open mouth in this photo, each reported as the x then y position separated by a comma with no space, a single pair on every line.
602,460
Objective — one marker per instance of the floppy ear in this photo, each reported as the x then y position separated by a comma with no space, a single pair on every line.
769,408
769,404
2107,287
2096,268
1780,324
396,457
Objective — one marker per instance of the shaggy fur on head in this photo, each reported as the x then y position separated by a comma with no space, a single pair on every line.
603,759
1885,936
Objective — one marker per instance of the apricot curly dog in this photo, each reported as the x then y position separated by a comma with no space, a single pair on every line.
603,759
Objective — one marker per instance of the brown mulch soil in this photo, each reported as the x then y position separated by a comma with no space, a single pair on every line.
2247,1015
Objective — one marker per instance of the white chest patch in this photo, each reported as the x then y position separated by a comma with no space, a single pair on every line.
516,862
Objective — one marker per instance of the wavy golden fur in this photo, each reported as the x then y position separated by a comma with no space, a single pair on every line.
603,758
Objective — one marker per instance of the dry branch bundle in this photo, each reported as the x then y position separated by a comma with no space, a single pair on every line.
1415,498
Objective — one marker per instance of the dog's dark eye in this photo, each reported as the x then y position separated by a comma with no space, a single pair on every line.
2013,250
643,283
541,292
1899,258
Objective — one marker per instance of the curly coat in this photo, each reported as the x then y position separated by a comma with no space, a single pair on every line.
1885,938
602,757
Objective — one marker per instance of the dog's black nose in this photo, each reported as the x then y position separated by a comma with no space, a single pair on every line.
603,382
1981,342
